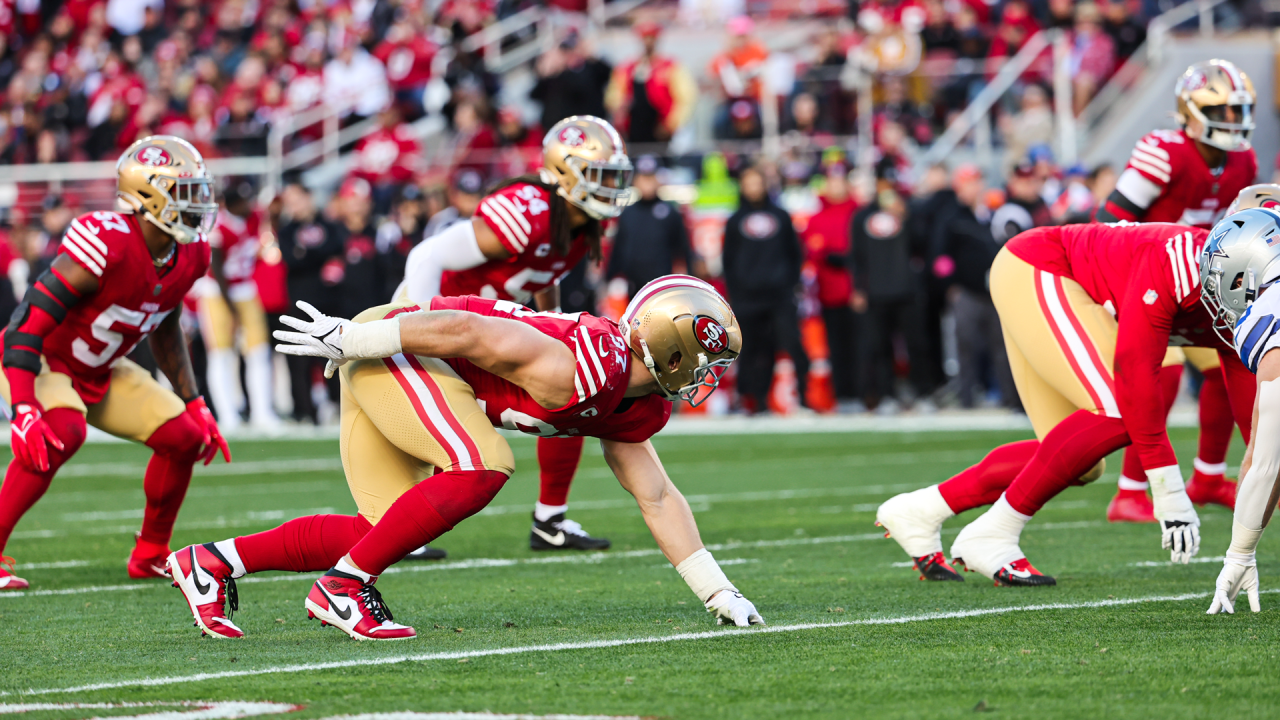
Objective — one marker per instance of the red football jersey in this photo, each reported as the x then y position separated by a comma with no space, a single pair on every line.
133,297
603,369
388,156
1167,180
408,62
520,216
1147,275
237,237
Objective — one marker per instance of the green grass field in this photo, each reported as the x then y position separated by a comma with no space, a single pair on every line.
501,629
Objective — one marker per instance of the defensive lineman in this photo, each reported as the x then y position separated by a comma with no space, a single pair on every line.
422,394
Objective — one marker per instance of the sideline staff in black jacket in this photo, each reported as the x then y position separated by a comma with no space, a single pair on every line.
762,261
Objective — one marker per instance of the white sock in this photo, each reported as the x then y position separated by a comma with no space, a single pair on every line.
1128,483
543,513
348,568
1002,517
223,377
932,504
258,379
1205,468
229,551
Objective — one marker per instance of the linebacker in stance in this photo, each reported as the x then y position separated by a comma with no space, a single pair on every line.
1240,262
422,392
117,278
524,238
1088,312
1188,176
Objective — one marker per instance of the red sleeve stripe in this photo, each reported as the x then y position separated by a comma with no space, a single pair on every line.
1140,152
1186,272
1138,163
515,213
83,252
1153,148
517,238
89,235
589,377
601,376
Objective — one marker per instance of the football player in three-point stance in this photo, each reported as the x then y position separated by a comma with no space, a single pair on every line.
422,392
1188,176
1239,266
523,239
117,278
1086,356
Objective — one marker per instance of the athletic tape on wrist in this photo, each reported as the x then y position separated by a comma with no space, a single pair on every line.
376,339
1244,543
703,574
1169,495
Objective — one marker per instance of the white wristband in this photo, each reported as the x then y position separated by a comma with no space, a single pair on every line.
376,339
704,575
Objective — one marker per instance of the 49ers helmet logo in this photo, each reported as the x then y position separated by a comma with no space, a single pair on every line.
572,136
711,335
154,157
1193,81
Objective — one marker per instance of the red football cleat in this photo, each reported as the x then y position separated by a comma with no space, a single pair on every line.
936,567
148,560
9,581
1020,573
348,602
1131,506
204,577
1212,490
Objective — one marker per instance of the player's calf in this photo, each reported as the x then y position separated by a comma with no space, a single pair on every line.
346,598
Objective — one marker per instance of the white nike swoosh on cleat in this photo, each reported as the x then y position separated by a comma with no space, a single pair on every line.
1024,574
557,539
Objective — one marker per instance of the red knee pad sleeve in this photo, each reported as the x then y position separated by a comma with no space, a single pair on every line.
178,437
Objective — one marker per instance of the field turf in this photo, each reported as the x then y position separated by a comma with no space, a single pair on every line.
852,633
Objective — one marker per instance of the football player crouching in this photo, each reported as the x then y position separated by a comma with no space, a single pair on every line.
422,394
1239,265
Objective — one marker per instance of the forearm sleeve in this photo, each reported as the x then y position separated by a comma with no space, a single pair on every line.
42,309
454,248
1257,488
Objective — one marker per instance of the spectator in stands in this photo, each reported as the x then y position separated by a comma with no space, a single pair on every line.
826,243
399,233
311,247
570,82
821,81
243,134
898,107
407,54
355,83
962,251
651,240
475,146
1024,206
1127,32
1093,55
972,47
651,97
387,159
744,122
1076,203
363,284
762,259
521,144
737,72
466,188
1032,125
889,292
1102,180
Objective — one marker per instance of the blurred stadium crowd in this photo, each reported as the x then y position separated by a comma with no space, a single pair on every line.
856,289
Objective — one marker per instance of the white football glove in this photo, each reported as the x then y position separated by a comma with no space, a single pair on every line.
321,336
1179,524
1239,572
730,608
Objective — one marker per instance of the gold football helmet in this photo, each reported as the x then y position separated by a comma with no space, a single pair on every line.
587,160
1263,195
685,333
163,179
1215,104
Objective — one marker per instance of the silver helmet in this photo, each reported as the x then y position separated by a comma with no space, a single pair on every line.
1240,258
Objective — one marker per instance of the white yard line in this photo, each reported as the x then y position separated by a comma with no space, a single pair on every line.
597,644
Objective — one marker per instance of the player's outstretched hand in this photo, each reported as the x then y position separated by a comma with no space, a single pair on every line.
1239,572
1181,538
730,608
213,442
321,336
1179,523
30,433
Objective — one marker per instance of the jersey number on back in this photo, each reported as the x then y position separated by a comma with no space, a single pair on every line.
103,332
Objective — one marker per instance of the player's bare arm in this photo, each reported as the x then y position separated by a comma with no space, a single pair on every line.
547,299
460,246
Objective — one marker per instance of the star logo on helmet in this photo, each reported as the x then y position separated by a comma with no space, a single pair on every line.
572,137
711,335
153,157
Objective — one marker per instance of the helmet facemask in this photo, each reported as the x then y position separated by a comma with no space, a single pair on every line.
1217,131
705,377
603,189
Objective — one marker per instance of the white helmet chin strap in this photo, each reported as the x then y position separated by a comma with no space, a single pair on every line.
652,368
